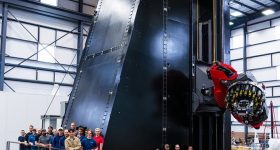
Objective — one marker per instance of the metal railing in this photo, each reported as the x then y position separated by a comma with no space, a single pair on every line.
11,145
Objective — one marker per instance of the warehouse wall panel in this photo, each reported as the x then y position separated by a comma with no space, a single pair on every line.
237,32
264,48
276,59
21,73
67,79
47,36
42,20
259,62
46,53
236,42
266,35
258,26
66,56
40,64
88,9
265,74
236,53
69,41
68,5
276,91
237,65
45,75
16,30
29,107
21,49
268,92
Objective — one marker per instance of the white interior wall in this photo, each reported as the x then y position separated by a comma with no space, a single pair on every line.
263,52
18,111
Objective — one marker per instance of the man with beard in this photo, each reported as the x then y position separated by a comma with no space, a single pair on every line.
39,133
44,140
62,140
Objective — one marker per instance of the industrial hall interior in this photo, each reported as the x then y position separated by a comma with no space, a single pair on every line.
140,74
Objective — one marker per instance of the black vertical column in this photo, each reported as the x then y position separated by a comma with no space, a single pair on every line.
3,44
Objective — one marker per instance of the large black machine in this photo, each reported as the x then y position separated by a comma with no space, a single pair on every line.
239,93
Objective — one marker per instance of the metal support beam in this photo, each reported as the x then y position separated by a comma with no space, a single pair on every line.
80,41
47,10
242,4
276,2
3,44
80,35
242,20
245,68
259,3
243,12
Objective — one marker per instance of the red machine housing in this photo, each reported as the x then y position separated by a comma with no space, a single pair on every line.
222,74
219,76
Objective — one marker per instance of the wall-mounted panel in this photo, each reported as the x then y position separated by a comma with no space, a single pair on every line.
276,59
266,35
45,75
264,48
237,65
265,74
21,73
66,56
236,42
21,49
17,30
236,53
258,26
259,62
47,36
69,41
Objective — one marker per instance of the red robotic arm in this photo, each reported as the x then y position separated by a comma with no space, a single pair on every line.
242,97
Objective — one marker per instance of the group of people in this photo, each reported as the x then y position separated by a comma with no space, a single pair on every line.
75,138
176,147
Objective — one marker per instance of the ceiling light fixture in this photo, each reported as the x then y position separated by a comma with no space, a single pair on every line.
268,12
236,14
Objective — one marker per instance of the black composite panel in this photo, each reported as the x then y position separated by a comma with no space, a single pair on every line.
121,91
